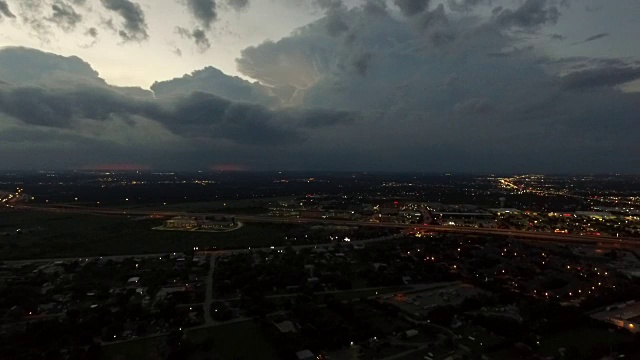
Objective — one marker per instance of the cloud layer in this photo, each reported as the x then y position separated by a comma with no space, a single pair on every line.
460,85
443,91
67,103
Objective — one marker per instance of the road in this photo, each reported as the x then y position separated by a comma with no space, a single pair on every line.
381,289
212,253
302,247
523,235
208,320
401,355
86,258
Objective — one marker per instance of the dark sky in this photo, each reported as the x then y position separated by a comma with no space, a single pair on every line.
401,85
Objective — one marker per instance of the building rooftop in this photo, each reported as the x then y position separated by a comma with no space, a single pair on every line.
305,354
623,311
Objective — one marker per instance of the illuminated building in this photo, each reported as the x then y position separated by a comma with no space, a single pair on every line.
192,222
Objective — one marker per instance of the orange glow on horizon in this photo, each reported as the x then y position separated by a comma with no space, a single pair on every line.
117,167
228,167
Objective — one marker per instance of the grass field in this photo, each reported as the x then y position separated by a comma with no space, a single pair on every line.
241,340
242,206
51,235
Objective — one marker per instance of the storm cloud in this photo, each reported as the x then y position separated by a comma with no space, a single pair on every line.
592,38
455,97
532,14
375,7
466,5
75,104
460,85
604,76
195,115
412,7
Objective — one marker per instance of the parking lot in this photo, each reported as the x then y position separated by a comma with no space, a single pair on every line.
423,302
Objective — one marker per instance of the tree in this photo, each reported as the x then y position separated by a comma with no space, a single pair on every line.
442,315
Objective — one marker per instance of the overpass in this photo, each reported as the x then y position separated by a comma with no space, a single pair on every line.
606,241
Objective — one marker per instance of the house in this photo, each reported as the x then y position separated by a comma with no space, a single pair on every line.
305,355
411,333
286,327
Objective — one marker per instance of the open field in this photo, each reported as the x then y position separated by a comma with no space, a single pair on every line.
241,340
241,206
26,235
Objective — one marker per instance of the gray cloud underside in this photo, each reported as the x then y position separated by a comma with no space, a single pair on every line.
411,7
466,5
133,17
66,102
375,7
532,14
605,76
329,4
198,115
592,38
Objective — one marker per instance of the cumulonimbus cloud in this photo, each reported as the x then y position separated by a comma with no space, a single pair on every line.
457,89
69,104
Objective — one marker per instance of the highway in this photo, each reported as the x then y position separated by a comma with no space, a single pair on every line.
605,241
